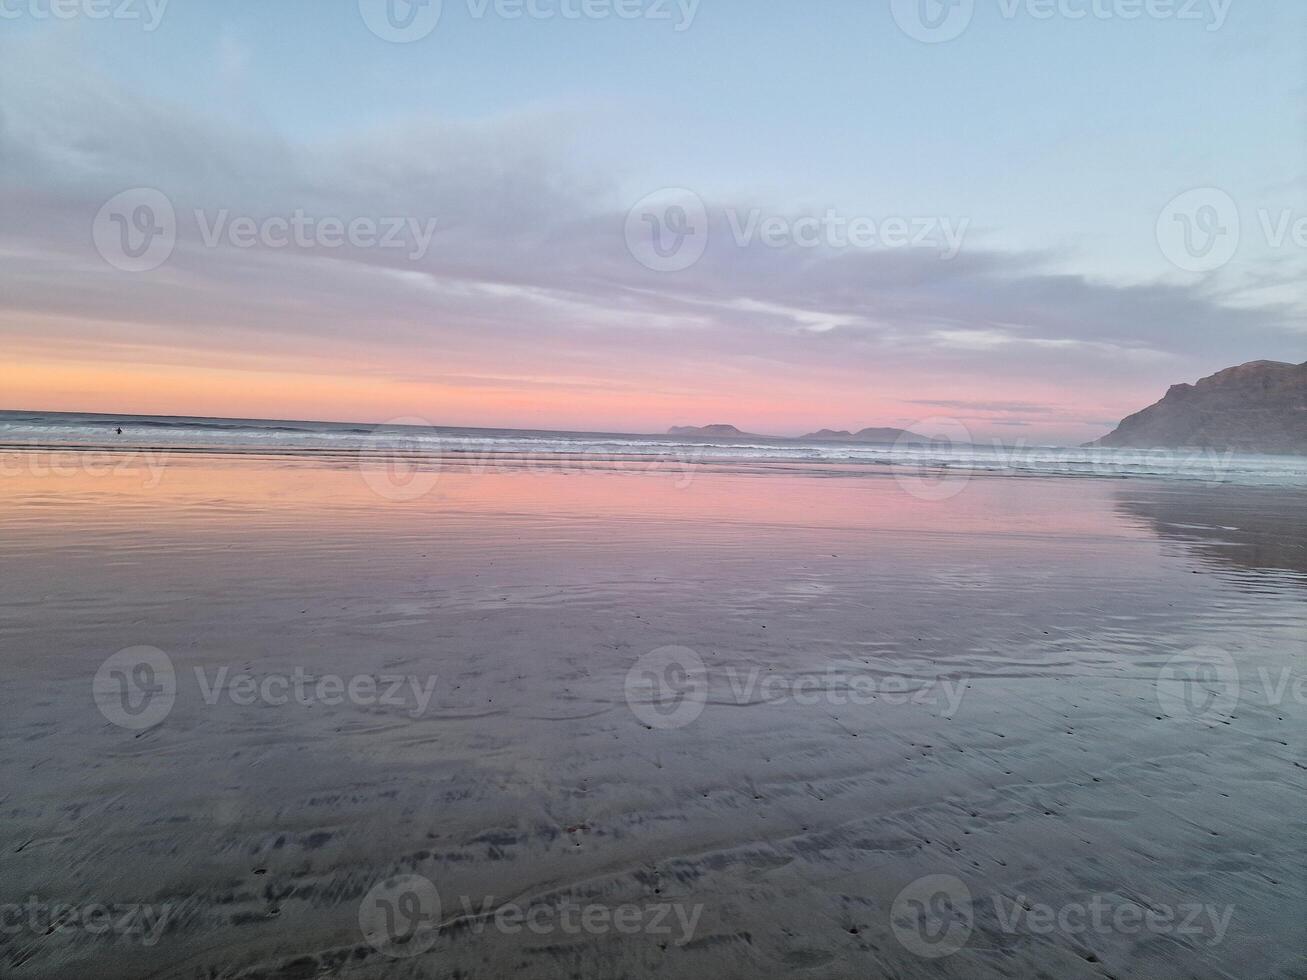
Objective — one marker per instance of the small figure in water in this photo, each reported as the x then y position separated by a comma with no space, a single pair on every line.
120,431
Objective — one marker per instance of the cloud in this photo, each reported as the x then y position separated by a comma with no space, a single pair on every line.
1024,408
528,276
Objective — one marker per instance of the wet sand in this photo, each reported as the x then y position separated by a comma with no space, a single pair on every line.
894,689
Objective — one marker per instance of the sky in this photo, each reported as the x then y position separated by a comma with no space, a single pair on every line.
1030,217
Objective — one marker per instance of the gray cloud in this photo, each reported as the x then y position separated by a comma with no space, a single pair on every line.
529,264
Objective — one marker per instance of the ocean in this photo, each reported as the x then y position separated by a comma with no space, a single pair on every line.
329,440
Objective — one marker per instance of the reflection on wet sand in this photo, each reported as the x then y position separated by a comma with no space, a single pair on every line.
1250,530
1026,620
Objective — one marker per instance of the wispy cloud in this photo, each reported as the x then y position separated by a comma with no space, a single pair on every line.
528,275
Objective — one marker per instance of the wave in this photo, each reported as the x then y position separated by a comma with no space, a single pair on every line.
27,430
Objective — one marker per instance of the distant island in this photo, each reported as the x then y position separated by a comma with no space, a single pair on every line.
872,435
1258,407
714,431
878,435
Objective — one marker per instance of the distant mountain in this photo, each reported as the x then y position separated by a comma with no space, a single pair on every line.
715,431
1258,407
882,435
825,435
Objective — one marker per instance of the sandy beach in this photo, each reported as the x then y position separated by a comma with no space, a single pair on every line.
878,698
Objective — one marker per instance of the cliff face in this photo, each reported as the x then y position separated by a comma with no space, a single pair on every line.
1258,407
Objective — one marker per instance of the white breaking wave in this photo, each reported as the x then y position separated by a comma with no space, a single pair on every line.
32,430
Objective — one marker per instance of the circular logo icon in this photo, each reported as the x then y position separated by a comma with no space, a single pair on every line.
933,21
1198,231
400,916
136,687
667,231
1202,684
135,231
401,21
401,460
922,465
932,916
667,687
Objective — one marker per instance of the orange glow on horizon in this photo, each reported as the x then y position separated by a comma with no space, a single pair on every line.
262,390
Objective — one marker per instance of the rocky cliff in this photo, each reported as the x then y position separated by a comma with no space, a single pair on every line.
1258,407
